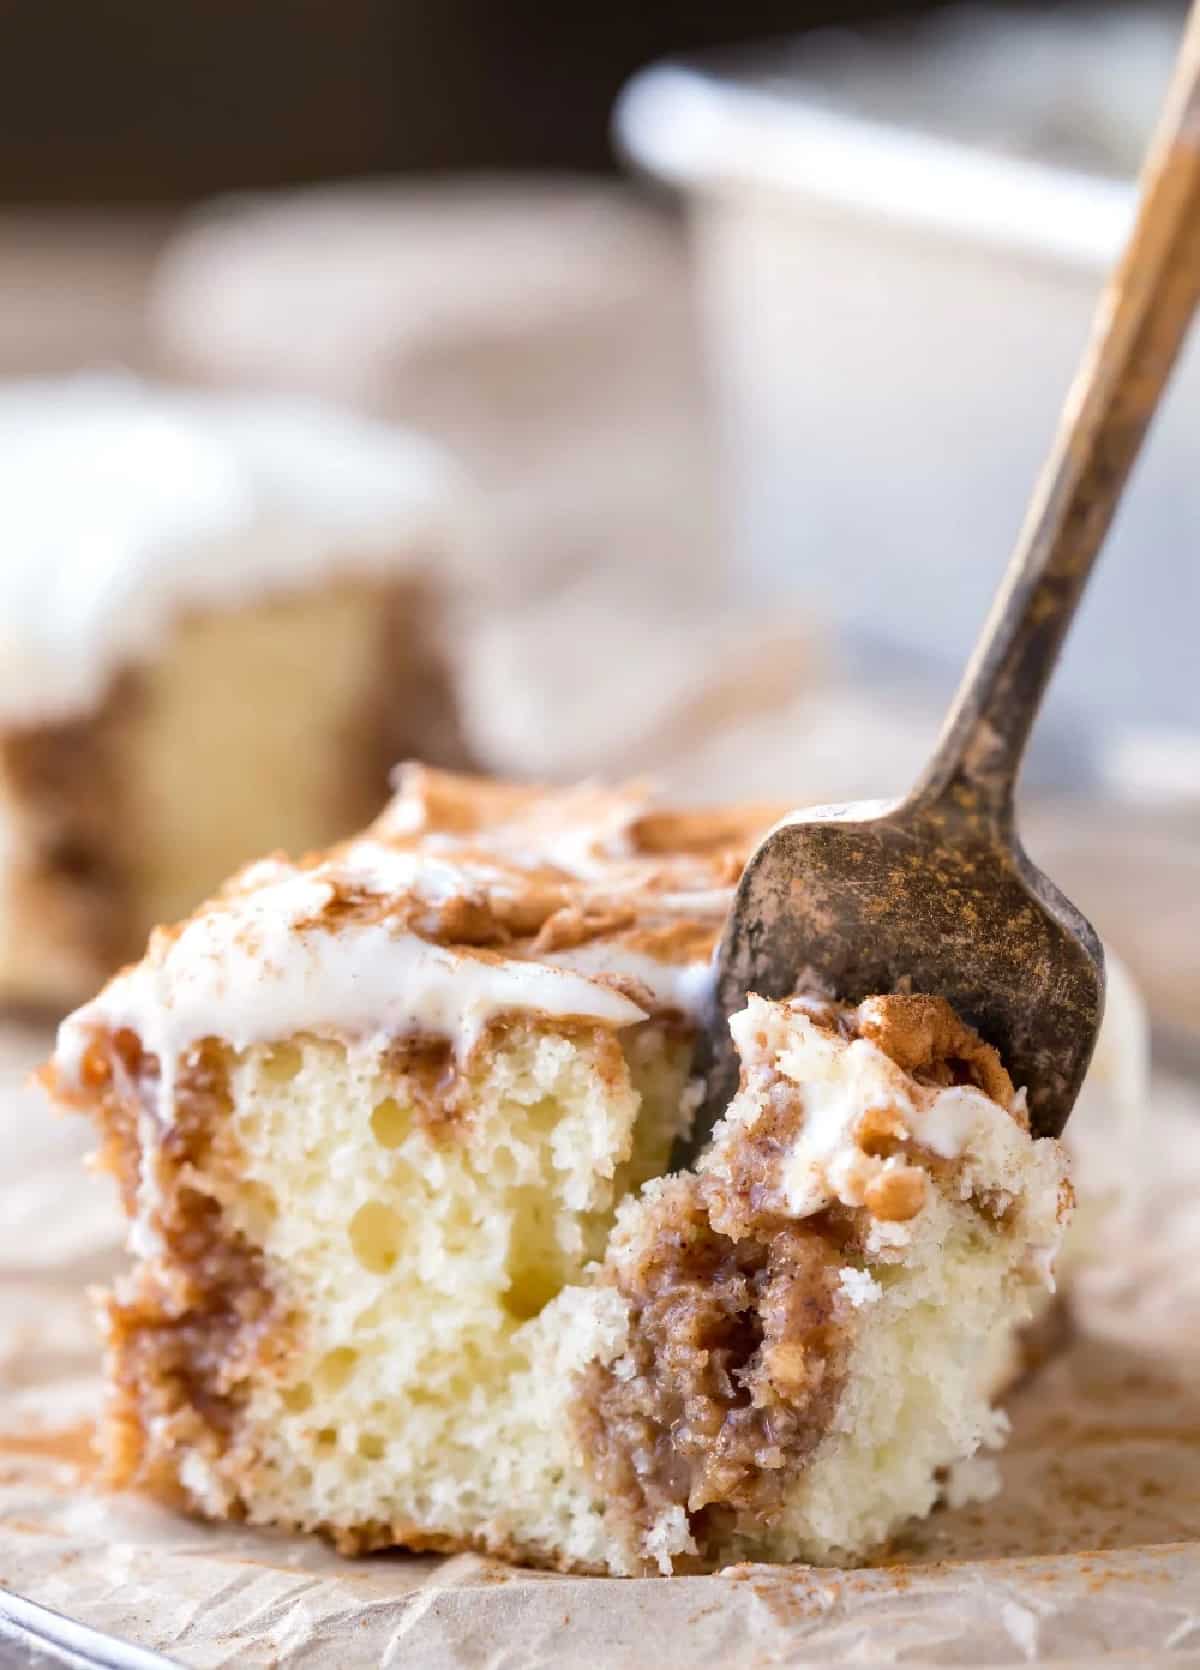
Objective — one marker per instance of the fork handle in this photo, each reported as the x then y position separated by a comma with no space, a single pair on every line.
1139,328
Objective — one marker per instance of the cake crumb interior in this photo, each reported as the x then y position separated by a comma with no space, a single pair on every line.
407,1266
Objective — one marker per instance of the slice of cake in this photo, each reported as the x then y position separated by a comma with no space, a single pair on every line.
391,1127
219,626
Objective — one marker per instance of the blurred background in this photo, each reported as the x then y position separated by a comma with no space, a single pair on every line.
131,102
751,324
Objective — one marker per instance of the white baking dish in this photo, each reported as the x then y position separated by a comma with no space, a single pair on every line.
899,247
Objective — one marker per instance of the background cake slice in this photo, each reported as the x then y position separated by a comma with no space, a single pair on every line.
220,624
390,1127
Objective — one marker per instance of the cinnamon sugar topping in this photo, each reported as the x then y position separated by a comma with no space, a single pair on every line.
466,900
925,1037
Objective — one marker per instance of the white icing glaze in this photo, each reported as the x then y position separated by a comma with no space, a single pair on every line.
357,946
685,987
466,900
426,874
839,1082
125,503
951,1120
255,974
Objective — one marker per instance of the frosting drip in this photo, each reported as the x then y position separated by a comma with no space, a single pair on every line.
466,900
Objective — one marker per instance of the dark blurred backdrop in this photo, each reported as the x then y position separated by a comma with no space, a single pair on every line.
158,100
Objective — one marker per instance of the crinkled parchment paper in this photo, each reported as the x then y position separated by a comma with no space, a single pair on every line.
1091,1553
